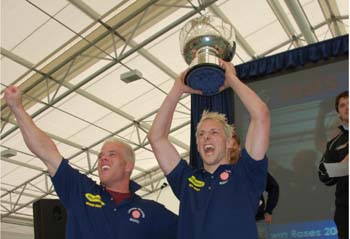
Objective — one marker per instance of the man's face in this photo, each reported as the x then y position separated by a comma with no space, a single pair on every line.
343,109
212,144
112,168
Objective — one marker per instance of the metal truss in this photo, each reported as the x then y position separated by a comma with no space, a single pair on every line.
118,32
48,82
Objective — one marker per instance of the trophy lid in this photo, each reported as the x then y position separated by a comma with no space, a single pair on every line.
207,31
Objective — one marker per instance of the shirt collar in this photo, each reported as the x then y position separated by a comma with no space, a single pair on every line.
219,169
133,186
343,128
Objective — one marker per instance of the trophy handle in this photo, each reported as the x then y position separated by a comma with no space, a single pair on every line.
233,50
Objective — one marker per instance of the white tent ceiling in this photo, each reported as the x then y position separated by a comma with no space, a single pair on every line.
67,57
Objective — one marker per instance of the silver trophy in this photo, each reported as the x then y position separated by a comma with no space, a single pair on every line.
203,41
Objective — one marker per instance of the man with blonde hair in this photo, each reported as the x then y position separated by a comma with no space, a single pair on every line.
110,210
220,200
229,132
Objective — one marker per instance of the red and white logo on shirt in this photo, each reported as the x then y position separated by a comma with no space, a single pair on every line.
136,214
224,177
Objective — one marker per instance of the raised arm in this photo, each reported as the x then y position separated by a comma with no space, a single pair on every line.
257,139
36,140
166,154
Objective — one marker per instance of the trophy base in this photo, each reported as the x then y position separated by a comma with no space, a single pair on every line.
207,78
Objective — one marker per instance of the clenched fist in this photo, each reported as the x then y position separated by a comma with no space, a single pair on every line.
13,97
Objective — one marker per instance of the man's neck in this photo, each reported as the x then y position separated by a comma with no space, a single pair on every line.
212,168
121,187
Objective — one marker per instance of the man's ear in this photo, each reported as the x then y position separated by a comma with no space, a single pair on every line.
129,166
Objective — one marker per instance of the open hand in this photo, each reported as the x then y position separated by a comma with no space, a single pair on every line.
180,84
268,218
230,73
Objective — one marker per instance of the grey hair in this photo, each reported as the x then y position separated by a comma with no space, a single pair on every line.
128,151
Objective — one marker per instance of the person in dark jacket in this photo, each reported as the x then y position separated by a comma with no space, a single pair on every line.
337,151
265,208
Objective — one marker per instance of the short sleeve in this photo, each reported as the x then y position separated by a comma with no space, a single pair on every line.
177,177
69,183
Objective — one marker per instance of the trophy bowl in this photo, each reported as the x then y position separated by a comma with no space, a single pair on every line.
203,41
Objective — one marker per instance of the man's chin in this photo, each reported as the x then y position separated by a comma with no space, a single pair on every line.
103,179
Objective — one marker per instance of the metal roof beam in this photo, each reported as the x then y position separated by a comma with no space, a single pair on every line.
301,20
285,22
83,46
27,194
331,13
120,58
95,16
18,220
20,163
82,6
91,97
289,41
240,39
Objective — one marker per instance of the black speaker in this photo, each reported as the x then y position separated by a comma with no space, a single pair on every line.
49,219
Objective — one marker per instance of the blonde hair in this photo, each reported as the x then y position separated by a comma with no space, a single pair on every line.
229,129
128,151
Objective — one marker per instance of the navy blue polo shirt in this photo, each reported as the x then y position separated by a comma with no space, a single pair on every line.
92,212
222,204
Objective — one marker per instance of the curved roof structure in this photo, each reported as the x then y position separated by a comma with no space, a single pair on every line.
68,57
